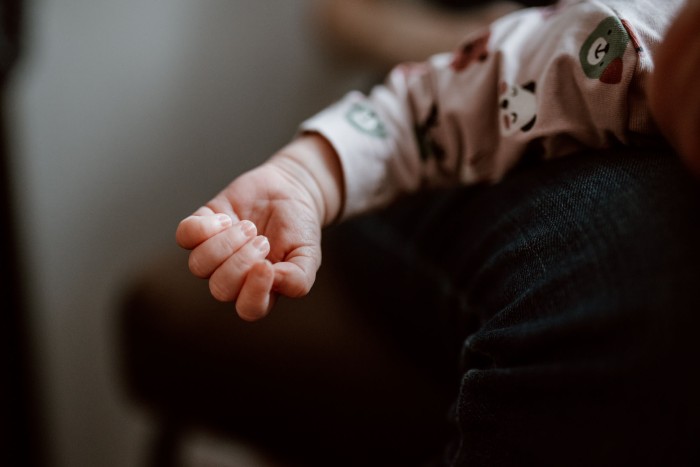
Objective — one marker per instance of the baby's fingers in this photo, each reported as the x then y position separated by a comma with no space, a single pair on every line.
256,299
209,255
226,282
195,229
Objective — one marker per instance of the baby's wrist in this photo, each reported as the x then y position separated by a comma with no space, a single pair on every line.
317,167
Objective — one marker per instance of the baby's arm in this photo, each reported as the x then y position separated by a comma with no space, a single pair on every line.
261,235
542,81
463,117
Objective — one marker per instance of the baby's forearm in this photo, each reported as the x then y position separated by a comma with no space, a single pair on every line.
313,162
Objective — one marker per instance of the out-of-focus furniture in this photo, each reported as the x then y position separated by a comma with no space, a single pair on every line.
383,33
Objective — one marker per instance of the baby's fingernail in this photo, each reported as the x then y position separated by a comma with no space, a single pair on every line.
248,228
224,220
262,244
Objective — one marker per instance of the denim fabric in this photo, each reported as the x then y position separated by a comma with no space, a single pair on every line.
562,303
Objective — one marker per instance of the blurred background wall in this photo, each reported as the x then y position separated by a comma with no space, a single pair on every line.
124,117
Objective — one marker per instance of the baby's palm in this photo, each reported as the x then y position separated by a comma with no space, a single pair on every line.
283,209
262,234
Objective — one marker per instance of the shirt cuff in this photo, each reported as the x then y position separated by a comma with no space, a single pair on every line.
364,144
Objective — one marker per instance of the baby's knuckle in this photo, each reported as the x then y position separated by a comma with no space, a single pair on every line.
195,265
219,292
199,230
300,289
230,242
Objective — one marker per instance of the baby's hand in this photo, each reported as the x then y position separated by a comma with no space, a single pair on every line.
232,256
286,200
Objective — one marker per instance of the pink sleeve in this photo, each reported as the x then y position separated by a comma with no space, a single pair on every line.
548,81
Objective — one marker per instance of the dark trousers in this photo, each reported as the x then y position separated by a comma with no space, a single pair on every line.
548,320
562,305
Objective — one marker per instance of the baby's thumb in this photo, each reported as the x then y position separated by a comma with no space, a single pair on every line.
294,278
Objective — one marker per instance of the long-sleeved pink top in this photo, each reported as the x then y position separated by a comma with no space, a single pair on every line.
545,81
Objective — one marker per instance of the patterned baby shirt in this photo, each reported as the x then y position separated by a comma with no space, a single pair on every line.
546,81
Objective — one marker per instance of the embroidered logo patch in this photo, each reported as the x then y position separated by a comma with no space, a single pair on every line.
365,119
601,53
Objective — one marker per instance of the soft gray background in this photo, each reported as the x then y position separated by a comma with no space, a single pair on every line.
126,116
